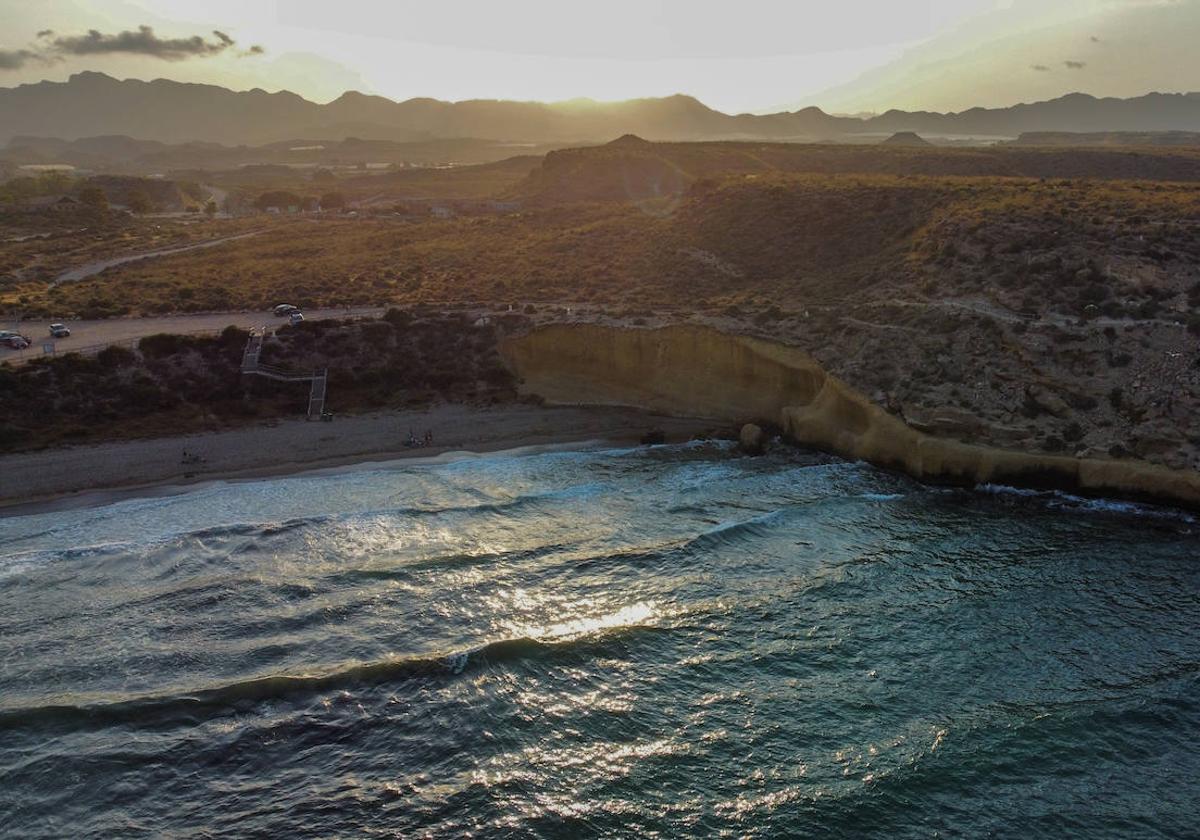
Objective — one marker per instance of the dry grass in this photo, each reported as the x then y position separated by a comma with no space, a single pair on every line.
717,224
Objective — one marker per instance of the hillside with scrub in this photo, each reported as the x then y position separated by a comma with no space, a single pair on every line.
1068,246
170,384
1054,312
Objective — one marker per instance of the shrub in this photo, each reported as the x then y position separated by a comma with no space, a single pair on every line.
161,345
1079,402
1148,308
116,357
233,336
398,317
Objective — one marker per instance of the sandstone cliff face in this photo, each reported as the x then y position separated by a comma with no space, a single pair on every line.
701,372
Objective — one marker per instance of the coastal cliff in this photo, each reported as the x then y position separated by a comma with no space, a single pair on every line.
702,372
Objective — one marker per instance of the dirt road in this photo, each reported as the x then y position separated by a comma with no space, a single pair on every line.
80,272
90,334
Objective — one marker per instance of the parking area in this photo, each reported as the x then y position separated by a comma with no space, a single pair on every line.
88,335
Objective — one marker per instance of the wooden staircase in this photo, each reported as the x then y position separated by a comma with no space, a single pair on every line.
251,366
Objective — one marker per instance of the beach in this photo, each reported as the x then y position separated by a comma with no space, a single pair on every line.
83,474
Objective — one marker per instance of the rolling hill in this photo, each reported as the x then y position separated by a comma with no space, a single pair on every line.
632,169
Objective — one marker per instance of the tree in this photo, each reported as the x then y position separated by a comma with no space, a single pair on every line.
94,198
333,201
210,208
139,202
281,199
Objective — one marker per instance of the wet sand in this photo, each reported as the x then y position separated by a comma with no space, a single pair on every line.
86,475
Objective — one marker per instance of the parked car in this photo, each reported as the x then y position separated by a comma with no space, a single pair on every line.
284,309
16,342
295,318
59,330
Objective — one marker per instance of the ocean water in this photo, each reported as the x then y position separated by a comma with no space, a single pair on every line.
653,642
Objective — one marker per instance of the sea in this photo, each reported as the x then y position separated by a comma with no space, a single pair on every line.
652,642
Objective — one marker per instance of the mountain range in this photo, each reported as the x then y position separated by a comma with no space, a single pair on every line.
90,104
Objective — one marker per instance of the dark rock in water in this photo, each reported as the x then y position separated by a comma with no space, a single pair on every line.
654,437
752,439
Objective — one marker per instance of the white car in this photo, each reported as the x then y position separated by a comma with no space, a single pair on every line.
295,318
284,309
59,331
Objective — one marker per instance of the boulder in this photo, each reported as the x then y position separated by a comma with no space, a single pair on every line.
752,439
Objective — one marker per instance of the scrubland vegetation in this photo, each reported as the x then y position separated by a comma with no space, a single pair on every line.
173,384
1075,247
979,293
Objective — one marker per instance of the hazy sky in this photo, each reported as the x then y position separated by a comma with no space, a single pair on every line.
736,56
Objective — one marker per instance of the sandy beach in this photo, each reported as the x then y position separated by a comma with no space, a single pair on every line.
81,475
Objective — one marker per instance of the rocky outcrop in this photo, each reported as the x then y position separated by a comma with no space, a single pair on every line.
701,372
906,138
752,439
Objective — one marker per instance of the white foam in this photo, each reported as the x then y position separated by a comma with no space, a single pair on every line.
1067,501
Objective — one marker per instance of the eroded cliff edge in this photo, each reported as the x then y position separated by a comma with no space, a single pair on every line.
701,372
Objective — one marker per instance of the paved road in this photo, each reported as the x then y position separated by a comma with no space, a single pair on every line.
88,334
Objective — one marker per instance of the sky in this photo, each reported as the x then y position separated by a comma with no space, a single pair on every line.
751,55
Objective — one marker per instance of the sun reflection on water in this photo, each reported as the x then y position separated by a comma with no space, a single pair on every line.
633,615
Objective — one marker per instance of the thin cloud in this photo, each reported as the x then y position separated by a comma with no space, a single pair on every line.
142,41
16,59
1075,65
51,47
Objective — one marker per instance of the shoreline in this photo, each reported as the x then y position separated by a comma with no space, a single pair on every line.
689,370
97,474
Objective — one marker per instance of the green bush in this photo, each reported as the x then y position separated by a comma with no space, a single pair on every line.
116,357
161,345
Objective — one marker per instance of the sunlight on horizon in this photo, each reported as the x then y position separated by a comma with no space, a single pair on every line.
768,56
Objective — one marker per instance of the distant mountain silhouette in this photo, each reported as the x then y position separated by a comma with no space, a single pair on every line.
93,104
